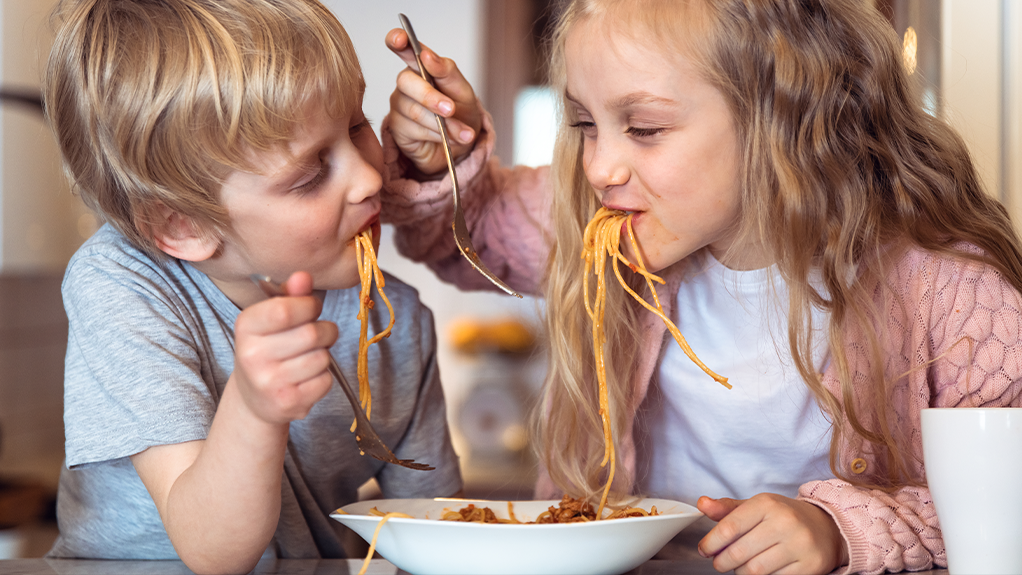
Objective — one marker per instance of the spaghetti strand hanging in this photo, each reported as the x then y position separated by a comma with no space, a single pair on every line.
601,239
368,271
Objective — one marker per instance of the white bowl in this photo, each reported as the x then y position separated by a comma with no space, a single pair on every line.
425,545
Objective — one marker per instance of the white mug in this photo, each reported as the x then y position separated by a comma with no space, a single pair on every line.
973,460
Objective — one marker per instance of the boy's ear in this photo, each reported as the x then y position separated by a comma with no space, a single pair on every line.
179,237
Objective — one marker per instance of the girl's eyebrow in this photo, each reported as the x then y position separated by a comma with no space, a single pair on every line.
629,100
636,98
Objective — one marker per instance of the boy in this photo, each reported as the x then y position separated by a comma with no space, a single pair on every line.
223,138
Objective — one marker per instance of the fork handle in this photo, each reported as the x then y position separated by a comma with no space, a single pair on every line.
335,370
445,139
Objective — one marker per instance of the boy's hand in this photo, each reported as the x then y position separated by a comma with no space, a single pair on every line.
281,353
414,102
771,533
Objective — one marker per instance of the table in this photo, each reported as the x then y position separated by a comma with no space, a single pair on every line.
301,567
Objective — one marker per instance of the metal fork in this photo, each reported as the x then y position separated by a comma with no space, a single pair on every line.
461,235
366,437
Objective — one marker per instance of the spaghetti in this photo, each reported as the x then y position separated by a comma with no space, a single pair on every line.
601,239
569,510
368,270
376,534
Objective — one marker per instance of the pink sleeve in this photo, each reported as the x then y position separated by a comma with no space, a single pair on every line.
507,211
964,322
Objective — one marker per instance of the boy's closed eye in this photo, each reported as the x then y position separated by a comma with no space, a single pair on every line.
365,123
318,173
320,170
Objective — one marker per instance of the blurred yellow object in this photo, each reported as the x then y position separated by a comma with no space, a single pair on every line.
503,335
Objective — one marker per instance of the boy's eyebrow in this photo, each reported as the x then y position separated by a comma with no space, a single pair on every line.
297,164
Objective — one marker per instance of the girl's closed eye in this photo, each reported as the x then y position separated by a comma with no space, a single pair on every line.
644,132
588,128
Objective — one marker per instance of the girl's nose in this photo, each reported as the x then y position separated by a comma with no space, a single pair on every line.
606,166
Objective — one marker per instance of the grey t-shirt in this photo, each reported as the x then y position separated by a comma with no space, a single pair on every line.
149,351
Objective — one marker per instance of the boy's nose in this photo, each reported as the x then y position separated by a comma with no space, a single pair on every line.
606,166
367,178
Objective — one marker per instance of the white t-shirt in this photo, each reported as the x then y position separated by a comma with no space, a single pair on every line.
767,434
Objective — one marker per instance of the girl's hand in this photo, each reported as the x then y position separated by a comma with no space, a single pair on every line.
414,102
770,533
281,353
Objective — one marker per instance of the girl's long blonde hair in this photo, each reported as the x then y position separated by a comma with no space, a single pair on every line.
842,169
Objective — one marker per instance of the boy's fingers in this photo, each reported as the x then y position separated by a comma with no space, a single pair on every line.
278,314
294,342
300,283
305,367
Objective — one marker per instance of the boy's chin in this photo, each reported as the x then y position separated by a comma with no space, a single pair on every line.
340,285
344,279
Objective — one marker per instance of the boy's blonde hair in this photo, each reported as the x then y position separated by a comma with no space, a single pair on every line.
155,102
841,168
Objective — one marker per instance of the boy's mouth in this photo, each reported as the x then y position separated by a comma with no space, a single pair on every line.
373,225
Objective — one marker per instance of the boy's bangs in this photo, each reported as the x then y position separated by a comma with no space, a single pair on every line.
312,61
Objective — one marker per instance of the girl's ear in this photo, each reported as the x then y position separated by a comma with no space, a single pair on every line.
179,237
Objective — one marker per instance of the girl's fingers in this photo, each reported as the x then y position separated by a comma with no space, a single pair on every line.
730,529
792,568
397,41
426,97
771,560
448,77
443,70
744,551
452,89
717,509
408,132
410,107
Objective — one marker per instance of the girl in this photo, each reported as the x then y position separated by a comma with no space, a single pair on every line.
825,243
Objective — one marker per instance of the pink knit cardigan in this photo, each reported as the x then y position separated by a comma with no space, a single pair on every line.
961,316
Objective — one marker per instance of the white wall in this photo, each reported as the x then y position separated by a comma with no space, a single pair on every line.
38,215
1011,155
971,81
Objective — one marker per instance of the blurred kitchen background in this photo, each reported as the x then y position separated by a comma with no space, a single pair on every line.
967,57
